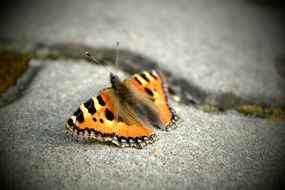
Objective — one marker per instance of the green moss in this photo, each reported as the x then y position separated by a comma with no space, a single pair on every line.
250,110
210,108
271,114
12,66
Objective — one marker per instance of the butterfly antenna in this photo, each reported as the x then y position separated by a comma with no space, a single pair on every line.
117,56
96,61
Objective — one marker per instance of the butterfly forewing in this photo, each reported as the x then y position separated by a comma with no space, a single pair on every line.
150,85
90,121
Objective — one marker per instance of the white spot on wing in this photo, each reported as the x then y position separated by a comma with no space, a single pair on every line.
154,72
73,119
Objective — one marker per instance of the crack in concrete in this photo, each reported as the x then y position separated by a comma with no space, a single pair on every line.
181,90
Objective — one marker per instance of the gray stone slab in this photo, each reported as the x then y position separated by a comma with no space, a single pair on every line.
226,46
207,151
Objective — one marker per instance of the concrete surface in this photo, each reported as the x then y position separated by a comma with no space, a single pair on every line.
208,151
222,46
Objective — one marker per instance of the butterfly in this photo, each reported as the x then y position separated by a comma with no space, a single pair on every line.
123,113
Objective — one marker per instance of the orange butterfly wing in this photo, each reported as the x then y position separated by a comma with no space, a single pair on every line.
96,119
150,84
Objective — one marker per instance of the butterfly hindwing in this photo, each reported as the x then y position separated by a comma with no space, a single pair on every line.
133,135
97,119
150,85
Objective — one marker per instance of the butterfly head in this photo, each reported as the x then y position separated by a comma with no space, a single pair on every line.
118,86
114,80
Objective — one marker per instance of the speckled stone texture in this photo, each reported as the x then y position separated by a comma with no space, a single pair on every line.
208,151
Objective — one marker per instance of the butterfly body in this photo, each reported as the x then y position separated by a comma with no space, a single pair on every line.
122,113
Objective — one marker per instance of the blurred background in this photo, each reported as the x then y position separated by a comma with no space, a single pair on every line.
220,46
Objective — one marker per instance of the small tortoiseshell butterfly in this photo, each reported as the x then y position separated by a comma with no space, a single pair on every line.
122,113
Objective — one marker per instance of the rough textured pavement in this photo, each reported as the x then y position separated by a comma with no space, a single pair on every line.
225,151
221,46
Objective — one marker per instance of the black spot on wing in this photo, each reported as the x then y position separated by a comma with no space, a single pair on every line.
148,91
94,119
80,118
151,73
88,103
101,121
79,115
70,122
77,112
101,101
109,115
144,77
138,80
122,139
90,106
